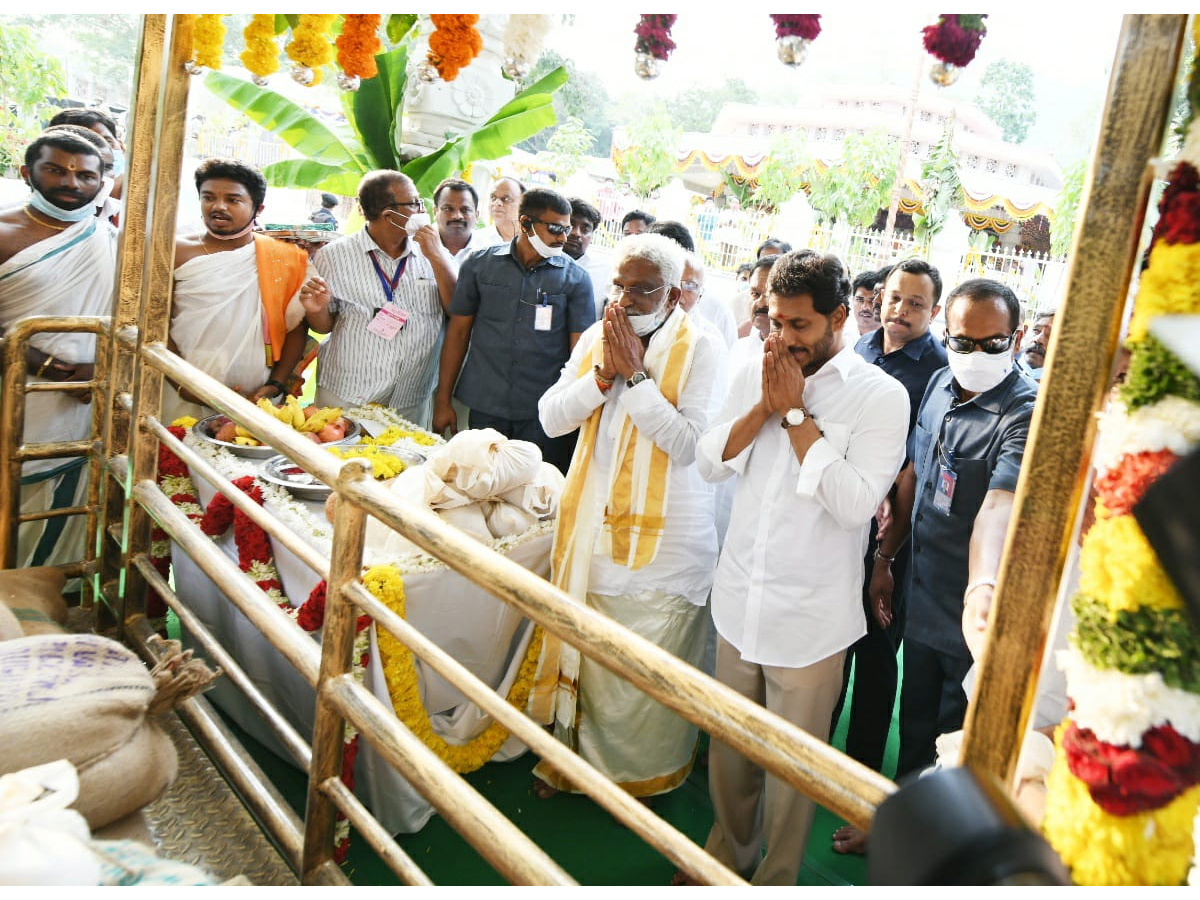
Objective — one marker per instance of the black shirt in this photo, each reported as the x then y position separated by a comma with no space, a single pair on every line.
912,365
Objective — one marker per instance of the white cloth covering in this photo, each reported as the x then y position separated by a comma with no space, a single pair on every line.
68,274
788,588
217,323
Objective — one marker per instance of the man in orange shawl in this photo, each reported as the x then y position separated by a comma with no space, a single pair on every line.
240,298
636,538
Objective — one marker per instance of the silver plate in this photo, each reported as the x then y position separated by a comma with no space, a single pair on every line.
203,430
282,471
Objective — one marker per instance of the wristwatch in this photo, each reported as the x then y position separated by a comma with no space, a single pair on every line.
636,378
794,416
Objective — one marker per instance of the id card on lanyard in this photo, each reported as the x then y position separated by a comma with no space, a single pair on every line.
947,479
389,319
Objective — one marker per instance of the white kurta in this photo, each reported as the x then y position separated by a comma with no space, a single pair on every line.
217,323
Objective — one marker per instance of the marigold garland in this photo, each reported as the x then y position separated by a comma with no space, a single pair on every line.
358,44
1168,287
387,585
1122,487
1102,849
208,36
1118,565
455,42
261,56
1138,642
310,46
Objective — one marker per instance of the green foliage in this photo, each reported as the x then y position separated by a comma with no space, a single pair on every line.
941,186
399,25
861,184
28,78
649,163
1006,94
788,166
570,144
1154,373
1066,208
336,158
583,97
1138,642
696,110
106,45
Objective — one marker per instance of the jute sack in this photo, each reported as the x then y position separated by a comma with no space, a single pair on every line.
35,597
85,698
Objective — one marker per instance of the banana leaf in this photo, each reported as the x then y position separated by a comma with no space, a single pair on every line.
305,173
522,117
375,106
305,133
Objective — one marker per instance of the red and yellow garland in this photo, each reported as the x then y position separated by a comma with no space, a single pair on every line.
454,43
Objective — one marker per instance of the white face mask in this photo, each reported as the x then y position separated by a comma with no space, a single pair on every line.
647,322
978,371
417,221
544,250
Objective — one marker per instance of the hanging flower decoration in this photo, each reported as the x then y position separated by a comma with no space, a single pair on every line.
523,36
793,35
208,36
261,56
454,43
653,45
309,48
953,41
356,48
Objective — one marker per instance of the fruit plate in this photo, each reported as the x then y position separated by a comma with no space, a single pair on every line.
205,427
282,471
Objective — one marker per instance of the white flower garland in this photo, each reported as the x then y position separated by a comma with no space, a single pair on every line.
1120,708
523,36
1172,423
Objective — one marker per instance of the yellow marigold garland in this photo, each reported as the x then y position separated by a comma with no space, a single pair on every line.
357,45
310,46
454,43
207,38
1103,849
1118,566
261,56
387,585
1168,286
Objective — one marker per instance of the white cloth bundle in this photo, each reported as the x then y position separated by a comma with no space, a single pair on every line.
504,519
539,496
482,463
42,842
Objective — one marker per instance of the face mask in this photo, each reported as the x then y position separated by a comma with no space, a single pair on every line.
415,222
544,250
46,208
647,322
101,198
232,237
118,161
1035,374
978,371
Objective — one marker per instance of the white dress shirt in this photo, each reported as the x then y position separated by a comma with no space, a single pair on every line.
687,550
788,589
717,312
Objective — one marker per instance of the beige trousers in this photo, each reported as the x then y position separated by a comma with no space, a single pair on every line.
749,805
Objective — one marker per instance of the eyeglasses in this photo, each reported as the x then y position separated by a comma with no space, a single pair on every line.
991,345
692,287
553,227
507,201
615,292
415,205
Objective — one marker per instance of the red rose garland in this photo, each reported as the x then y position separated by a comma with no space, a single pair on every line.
806,26
955,38
654,36
1179,208
1124,781
1120,488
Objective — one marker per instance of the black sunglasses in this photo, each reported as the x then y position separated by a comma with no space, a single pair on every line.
552,227
991,345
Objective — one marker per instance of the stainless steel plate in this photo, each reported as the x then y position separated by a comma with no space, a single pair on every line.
204,430
282,471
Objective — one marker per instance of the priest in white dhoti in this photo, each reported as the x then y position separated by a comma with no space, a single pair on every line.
56,259
239,306
636,538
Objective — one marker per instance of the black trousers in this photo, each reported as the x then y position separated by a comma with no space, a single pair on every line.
556,451
876,673
932,702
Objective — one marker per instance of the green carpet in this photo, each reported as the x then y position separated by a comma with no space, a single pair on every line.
584,839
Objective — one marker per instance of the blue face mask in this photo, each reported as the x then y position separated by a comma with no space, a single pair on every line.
118,161
46,208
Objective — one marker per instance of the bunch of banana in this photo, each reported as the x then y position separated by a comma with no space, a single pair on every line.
319,420
289,414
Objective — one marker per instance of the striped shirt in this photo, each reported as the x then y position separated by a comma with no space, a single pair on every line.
363,367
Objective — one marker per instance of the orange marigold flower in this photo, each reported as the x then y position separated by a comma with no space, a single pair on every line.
358,44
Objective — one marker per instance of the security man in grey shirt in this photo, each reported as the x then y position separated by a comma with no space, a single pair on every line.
519,308
964,459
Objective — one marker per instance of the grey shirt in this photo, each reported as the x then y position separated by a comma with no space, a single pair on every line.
983,441
516,351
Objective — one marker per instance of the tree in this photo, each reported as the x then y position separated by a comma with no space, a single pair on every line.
697,110
1006,94
1066,208
570,144
583,97
856,188
106,45
940,185
787,168
28,78
649,162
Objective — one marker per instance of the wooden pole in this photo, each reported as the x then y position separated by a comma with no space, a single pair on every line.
1078,372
